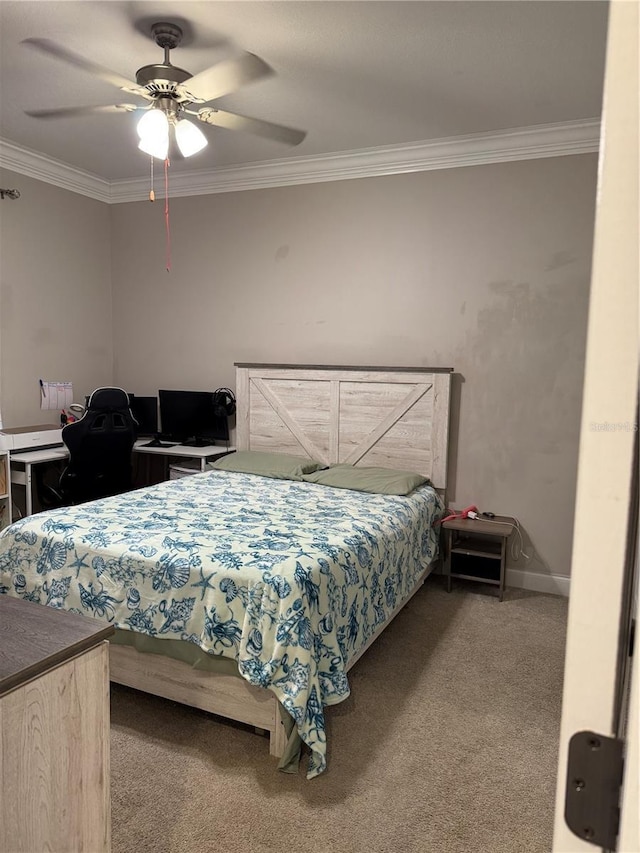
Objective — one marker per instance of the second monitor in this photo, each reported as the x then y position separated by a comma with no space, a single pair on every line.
145,411
189,417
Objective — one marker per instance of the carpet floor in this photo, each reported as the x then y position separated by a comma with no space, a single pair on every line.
447,744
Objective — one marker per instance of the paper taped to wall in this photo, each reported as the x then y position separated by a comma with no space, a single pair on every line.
55,395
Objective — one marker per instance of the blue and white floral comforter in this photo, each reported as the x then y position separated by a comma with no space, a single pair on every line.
289,579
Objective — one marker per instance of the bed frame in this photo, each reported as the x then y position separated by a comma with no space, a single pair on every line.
376,416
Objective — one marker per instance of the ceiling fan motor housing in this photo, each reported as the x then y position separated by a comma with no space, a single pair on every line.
161,79
166,35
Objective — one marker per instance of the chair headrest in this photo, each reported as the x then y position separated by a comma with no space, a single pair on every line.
108,398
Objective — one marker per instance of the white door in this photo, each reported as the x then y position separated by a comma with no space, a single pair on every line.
602,550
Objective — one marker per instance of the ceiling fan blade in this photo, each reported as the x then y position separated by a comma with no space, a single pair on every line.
58,52
232,121
72,112
225,77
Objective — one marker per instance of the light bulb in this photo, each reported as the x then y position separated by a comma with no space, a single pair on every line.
155,147
190,138
153,130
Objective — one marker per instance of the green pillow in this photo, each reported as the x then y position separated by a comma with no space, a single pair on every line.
378,481
280,465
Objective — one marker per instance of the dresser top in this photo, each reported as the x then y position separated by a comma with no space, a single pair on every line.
34,638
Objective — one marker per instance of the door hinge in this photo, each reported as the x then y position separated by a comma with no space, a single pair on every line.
594,779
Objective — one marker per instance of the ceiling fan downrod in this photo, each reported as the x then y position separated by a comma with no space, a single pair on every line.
161,79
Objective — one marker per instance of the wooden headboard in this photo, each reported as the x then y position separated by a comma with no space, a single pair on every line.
378,416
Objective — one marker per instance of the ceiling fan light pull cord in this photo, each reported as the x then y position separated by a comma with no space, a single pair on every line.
152,195
166,212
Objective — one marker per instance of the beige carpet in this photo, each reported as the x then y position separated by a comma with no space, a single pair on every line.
447,744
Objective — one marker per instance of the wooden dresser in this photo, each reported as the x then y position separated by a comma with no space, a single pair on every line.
54,730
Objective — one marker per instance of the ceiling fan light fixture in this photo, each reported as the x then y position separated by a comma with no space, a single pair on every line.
153,123
190,138
153,130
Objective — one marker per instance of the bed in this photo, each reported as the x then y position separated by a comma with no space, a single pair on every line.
251,595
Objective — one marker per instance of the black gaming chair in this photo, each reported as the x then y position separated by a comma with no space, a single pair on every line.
100,446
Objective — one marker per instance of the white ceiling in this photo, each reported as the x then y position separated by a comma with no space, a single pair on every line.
354,75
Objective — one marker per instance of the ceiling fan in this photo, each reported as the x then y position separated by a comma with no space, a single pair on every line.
171,94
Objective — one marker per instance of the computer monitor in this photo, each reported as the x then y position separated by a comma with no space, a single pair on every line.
145,411
189,416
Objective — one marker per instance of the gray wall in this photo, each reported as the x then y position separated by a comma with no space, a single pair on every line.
55,299
485,269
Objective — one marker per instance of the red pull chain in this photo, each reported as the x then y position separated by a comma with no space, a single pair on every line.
166,212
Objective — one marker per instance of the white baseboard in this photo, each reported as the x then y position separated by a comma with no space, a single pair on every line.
535,581
554,584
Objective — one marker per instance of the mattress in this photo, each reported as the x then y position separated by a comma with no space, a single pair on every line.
289,579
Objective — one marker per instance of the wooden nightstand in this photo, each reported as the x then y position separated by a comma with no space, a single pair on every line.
476,550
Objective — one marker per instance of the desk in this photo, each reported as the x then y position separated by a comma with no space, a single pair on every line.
22,463
211,451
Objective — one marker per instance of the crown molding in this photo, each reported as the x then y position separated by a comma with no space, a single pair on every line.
35,165
523,143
